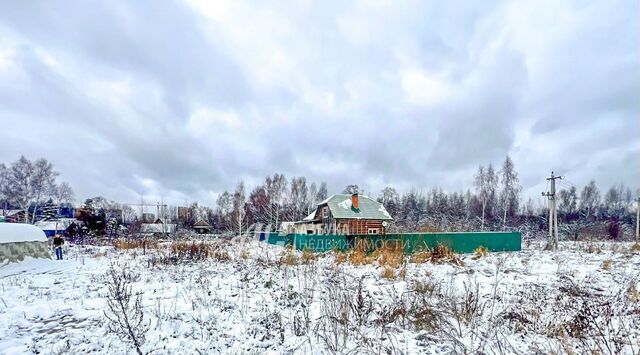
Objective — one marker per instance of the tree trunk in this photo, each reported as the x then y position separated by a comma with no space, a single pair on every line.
484,204
504,216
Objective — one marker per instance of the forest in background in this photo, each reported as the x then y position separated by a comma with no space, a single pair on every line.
494,202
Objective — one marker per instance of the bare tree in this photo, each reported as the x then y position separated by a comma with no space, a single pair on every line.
590,198
18,185
492,190
276,187
510,192
482,190
3,182
42,183
239,212
313,192
125,315
298,198
351,189
322,192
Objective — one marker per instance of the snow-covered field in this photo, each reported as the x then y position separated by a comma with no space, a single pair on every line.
254,298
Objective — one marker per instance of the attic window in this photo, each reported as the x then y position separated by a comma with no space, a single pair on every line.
325,212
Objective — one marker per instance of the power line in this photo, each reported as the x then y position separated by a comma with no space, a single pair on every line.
553,214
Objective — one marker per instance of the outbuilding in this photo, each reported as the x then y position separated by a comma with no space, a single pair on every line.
19,241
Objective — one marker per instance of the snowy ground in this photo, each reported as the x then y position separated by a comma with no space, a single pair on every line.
581,299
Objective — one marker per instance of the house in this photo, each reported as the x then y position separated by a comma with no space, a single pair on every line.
202,227
157,228
345,215
13,216
56,226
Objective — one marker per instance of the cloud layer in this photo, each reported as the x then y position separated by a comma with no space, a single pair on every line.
180,100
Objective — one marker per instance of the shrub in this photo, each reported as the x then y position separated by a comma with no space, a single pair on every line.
191,250
480,252
289,257
130,243
438,255
390,255
308,256
613,230
388,272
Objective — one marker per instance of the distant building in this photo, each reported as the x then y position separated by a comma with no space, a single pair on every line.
202,227
148,218
158,227
13,216
345,215
57,226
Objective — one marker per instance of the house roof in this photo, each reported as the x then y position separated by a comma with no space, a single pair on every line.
201,224
157,228
340,206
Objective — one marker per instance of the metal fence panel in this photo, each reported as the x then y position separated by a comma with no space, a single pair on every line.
460,242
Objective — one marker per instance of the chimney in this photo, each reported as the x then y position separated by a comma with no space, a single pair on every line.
354,201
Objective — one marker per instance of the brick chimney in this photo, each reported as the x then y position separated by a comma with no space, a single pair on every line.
354,201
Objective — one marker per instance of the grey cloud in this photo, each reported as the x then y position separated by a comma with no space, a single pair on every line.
175,61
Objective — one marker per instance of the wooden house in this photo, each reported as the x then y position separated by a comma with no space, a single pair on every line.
346,215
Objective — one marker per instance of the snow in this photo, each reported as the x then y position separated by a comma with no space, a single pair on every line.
252,303
346,204
19,232
311,216
384,211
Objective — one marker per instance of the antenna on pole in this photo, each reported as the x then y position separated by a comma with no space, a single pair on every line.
553,213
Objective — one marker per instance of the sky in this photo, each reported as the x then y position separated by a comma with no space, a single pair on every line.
181,100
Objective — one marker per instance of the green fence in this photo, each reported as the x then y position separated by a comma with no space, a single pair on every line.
462,242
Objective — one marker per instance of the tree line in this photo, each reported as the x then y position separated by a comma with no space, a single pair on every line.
29,184
493,203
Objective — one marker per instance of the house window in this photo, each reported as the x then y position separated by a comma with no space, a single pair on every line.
374,231
325,212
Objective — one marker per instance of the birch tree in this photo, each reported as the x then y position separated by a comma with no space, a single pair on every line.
590,198
18,185
492,190
510,189
239,212
482,190
313,193
323,193
276,187
42,183
3,182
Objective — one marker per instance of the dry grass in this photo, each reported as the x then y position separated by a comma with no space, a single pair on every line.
635,248
480,252
289,257
191,250
388,272
340,257
128,244
438,255
359,255
593,248
308,256
606,265
389,255
633,294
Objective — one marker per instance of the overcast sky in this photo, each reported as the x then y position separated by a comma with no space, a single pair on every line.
183,99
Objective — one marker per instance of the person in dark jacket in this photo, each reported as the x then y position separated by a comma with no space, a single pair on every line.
57,246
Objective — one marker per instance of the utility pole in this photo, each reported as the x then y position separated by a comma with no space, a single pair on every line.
638,220
553,213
